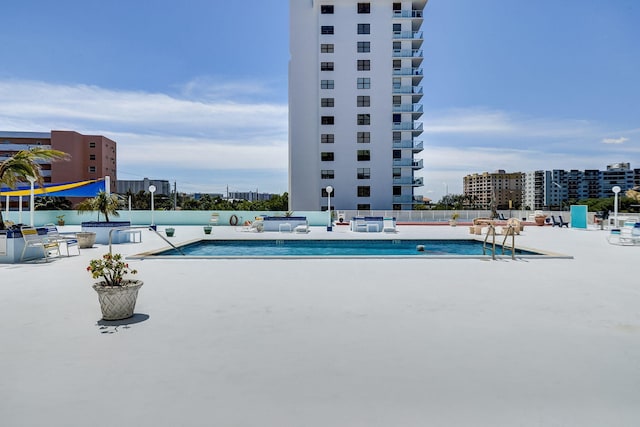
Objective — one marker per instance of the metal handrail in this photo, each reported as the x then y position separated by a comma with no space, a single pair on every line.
490,231
511,230
142,227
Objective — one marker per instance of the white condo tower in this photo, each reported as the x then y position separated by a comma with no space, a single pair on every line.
354,98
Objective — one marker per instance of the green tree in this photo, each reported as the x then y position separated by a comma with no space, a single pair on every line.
103,203
25,164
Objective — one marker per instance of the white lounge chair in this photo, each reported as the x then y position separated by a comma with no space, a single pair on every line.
33,240
302,228
389,225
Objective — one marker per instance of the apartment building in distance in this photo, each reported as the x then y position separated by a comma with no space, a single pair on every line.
552,189
92,156
354,101
500,189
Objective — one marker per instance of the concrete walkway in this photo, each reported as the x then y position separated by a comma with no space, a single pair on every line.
370,342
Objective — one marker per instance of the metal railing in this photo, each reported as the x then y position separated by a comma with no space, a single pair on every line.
147,227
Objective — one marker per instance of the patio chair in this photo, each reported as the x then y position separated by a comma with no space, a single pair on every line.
215,218
33,240
302,228
69,240
561,223
389,225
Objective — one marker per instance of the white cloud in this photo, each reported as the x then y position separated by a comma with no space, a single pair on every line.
159,132
620,140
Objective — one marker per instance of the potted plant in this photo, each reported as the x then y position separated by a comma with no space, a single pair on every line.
60,220
454,219
106,204
117,294
207,229
540,218
170,231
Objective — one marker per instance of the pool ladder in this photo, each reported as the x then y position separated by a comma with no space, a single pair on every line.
491,231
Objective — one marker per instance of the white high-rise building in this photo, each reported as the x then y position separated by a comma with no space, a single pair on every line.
354,102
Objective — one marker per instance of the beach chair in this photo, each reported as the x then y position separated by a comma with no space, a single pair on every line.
389,225
215,218
69,240
33,240
561,223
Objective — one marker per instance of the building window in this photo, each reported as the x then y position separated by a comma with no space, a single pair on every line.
327,120
397,136
364,101
364,191
326,48
397,6
326,9
326,66
92,145
364,155
397,118
364,28
364,83
92,169
364,47
397,190
364,7
326,174
327,138
397,100
397,154
326,156
327,102
365,207
397,172
326,29
364,65
92,156
364,119
326,84
364,173
397,28
364,137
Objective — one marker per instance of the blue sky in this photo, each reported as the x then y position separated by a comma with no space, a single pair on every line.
509,84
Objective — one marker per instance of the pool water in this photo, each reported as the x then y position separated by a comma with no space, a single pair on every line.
333,248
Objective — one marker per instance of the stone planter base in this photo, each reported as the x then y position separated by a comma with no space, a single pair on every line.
118,302
86,239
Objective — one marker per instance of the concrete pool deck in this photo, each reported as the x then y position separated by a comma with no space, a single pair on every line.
353,342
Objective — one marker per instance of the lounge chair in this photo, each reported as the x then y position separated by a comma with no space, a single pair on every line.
302,228
69,240
389,225
33,240
256,226
215,218
561,223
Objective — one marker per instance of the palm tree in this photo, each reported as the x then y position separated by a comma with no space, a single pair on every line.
24,165
104,203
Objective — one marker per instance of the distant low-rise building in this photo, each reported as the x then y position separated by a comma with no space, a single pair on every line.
92,156
163,187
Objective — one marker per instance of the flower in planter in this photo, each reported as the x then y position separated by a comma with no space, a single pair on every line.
111,268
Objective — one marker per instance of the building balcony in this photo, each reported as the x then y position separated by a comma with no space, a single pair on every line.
409,71
408,181
412,126
407,35
415,109
407,53
415,146
407,14
412,163
407,90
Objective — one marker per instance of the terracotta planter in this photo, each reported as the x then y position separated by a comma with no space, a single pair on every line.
118,302
540,220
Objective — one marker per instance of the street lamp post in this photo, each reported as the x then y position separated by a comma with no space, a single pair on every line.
559,195
329,190
31,199
152,189
615,190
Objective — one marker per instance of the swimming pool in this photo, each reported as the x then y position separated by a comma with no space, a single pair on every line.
403,248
